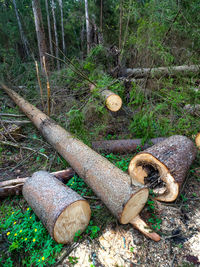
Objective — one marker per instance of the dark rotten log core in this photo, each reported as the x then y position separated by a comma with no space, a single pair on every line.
62,211
163,167
123,146
124,198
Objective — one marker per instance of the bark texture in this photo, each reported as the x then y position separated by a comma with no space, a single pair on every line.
39,30
62,211
123,146
87,26
14,186
172,158
53,6
161,71
49,27
112,185
197,140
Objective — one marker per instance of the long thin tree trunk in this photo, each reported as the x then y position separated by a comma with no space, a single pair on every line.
62,25
101,17
49,28
53,6
40,31
124,198
87,26
22,34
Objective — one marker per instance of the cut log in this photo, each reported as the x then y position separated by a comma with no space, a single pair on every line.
62,211
124,198
197,140
112,101
161,71
14,186
163,167
123,146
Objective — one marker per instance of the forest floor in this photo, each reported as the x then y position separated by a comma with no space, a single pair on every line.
109,244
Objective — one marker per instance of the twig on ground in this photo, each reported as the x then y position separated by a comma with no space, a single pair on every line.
12,115
16,122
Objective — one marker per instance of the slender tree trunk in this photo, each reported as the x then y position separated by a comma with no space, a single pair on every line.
87,26
101,17
62,25
23,37
53,6
49,28
39,31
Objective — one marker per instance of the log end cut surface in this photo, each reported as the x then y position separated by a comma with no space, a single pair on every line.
134,205
114,102
197,140
75,217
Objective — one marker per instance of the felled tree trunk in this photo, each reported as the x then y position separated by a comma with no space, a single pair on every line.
124,198
62,211
14,186
161,71
123,146
112,101
197,140
163,167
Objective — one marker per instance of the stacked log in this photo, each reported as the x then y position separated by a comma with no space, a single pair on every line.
163,167
62,211
124,198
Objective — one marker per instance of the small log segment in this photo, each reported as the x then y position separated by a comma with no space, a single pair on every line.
62,211
123,146
124,198
14,186
197,140
161,71
163,167
112,101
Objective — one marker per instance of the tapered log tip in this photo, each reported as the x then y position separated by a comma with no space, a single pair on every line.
197,140
114,102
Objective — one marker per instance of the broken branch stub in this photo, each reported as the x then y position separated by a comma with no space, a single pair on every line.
197,140
124,198
163,167
62,211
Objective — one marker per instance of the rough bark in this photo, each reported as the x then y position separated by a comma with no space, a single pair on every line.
53,6
169,161
124,198
197,140
49,28
14,186
62,211
62,25
161,71
112,101
22,34
39,30
123,146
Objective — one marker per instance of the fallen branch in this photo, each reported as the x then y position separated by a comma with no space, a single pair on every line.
16,122
123,146
124,198
11,115
163,167
161,71
7,143
14,186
